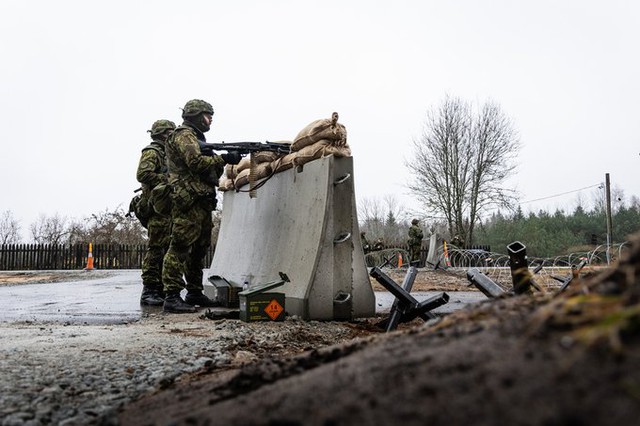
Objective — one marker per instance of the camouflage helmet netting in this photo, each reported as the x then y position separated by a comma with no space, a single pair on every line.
415,221
160,126
195,107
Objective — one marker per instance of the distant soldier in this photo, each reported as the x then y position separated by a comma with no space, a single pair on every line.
152,174
415,240
193,178
365,244
379,245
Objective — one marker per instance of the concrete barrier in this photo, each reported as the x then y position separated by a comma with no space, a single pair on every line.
304,223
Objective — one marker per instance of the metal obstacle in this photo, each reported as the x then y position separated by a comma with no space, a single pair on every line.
406,308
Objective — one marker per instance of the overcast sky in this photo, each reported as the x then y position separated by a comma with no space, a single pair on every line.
82,81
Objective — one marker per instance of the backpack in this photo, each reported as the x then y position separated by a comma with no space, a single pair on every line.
140,207
160,199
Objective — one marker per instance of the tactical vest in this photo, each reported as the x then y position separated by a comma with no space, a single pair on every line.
157,147
188,185
158,197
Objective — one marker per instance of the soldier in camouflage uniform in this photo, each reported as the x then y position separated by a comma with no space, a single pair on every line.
193,178
152,172
366,247
415,240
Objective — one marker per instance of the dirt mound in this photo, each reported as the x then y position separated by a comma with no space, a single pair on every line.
8,278
568,359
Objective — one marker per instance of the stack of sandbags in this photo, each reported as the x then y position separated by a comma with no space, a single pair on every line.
237,175
284,163
225,184
320,138
323,129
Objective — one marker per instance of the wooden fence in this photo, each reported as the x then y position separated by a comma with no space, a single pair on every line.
24,257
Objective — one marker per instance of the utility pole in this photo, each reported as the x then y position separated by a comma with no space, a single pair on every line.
608,210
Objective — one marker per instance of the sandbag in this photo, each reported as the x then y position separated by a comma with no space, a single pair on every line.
284,163
226,184
324,129
320,149
264,156
231,171
310,153
337,151
262,170
244,164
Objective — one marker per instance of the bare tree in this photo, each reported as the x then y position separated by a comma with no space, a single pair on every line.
461,163
371,216
108,227
599,199
383,218
216,219
49,229
9,228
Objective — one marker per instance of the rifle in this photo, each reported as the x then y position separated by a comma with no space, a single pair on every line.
244,148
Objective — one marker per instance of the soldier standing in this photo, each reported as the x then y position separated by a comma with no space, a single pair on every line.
152,174
365,243
415,240
193,178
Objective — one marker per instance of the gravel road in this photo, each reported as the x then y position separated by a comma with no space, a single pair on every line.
58,368
81,374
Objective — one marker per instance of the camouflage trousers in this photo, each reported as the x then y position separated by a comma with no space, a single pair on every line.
190,240
414,252
159,231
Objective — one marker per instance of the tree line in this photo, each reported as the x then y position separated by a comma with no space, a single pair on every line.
545,234
548,234
105,227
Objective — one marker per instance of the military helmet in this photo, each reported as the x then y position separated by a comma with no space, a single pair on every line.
415,221
195,107
161,126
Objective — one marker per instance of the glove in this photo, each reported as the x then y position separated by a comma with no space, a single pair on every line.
231,157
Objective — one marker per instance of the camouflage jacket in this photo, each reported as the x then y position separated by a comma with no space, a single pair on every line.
190,172
415,235
152,168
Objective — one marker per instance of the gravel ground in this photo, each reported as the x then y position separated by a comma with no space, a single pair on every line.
82,374
66,374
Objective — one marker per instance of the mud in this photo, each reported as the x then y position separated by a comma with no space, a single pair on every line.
566,359
546,359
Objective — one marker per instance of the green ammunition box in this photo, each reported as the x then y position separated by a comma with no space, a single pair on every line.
226,292
256,304
262,307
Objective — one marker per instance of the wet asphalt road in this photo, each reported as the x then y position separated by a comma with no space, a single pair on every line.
109,300
115,299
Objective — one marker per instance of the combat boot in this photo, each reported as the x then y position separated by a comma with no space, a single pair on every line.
195,297
174,303
151,296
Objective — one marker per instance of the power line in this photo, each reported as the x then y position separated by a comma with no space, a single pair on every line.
558,195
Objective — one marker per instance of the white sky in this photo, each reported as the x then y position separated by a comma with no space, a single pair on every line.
82,81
